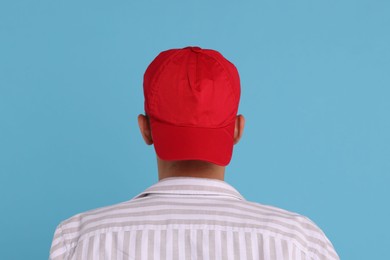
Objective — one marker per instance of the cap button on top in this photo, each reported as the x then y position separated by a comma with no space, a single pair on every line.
196,49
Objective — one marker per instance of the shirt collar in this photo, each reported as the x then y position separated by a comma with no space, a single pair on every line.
192,186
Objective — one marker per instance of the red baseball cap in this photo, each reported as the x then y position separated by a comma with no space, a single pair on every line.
191,99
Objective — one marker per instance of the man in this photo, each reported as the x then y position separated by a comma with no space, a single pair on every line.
191,103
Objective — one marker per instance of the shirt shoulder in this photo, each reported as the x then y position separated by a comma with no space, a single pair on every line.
70,231
298,229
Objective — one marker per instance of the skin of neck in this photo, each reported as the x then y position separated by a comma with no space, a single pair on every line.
190,168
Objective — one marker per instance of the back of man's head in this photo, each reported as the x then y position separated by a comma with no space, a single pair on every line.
191,100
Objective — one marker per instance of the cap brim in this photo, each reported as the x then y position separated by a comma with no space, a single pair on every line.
173,143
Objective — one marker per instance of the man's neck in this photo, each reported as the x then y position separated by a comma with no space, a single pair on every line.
198,169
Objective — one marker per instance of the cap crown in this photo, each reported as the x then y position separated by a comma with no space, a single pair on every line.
192,87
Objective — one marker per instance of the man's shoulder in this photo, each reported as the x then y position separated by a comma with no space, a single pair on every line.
80,226
293,226
277,213
254,217
94,214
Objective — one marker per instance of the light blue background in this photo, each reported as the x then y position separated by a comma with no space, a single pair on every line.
315,93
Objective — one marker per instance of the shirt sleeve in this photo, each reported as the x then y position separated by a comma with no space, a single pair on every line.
58,250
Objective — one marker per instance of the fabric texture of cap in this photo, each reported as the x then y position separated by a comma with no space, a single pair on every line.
191,99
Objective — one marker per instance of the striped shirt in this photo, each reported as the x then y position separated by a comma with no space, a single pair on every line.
189,218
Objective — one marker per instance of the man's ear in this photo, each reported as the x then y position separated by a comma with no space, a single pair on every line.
239,128
144,127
